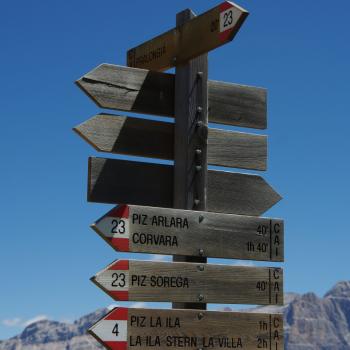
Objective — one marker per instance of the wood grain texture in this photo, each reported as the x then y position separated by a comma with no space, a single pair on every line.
197,328
142,91
147,138
119,181
128,89
190,169
129,136
192,233
150,281
239,193
237,149
237,105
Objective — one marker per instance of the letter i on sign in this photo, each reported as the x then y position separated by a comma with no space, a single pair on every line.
114,228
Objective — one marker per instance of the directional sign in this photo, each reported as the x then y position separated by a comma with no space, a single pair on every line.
139,229
149,138
149,92
204,33
146,329
119,181
191,282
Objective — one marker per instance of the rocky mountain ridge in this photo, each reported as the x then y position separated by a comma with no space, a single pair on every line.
311,323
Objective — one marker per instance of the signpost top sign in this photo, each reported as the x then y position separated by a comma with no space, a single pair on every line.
204,33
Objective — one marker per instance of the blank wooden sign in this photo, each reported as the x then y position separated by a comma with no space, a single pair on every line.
191,282
148,138
149,92
119,181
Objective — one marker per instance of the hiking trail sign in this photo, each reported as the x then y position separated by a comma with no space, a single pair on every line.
140,229
198,36
184,209
145,329
191,282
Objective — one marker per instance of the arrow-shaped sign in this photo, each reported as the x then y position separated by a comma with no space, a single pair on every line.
119,181
146,329
201,34
148,138
149,92
139,229
191,282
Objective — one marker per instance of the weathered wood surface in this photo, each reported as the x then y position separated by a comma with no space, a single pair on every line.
119,181
128,89
240,105
189,39
129,136
190,137
140,229
143,91
237,149
147,329
191,282
148,138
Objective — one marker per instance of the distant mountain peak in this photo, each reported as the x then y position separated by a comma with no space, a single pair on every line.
340,290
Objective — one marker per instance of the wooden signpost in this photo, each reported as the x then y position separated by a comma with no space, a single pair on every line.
191,282
146,329
184,209
139,229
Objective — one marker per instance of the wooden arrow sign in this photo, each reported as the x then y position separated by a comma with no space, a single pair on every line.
149,92
204,33
139,229
118,181
146,329
191,282
148,138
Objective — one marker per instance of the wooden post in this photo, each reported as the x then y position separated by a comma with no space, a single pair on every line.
190,141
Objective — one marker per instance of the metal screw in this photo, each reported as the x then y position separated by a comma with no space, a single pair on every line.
200,75
196,202
199,124
201,252
199,109
201,268
198,167
198,152
200,316
200,219
200,297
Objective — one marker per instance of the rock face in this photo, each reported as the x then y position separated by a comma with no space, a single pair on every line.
51,335
319,323
311,323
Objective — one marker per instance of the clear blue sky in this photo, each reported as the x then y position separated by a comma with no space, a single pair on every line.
299,50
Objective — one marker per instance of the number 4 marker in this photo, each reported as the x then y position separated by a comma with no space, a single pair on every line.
112,329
